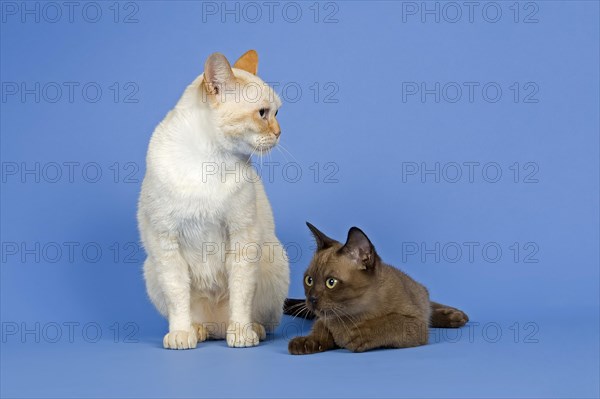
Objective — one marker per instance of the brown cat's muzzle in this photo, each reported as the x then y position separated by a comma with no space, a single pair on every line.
312,304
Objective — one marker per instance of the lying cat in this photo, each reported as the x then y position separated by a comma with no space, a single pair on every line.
215,268
361,303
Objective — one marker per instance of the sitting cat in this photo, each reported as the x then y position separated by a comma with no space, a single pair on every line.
215,268
361,303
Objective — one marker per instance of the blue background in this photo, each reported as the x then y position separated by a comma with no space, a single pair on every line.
537,310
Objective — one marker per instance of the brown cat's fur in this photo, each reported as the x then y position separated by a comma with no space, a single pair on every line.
361,303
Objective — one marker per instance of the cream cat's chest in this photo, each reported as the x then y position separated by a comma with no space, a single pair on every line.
197,188
195,201
203,245
202,221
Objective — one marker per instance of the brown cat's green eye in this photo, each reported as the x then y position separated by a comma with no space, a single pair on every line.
331,282
308,280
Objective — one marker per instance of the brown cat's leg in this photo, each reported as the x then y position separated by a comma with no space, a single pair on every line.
444,316
390,331
319,340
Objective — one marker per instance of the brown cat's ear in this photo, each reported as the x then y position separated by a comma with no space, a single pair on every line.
248,62
322,240
359,247
217,73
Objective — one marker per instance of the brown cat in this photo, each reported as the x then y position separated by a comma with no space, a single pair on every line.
361,303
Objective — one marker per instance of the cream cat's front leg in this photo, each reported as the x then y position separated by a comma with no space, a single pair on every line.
174,278
243,273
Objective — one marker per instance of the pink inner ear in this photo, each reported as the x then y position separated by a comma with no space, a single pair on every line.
357,240
217,70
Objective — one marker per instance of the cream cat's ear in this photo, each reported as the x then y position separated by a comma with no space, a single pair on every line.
217,73
359,247
322,240
248,62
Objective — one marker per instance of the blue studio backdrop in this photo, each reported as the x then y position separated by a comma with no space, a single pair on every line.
462,137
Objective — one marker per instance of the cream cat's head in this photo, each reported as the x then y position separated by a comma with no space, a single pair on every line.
244,107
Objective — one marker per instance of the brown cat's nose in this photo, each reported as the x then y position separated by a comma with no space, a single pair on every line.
312,300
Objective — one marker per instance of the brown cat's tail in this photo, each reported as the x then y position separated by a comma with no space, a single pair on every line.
297,308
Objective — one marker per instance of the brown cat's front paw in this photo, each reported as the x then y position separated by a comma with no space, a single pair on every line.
359,344
304,346
358,339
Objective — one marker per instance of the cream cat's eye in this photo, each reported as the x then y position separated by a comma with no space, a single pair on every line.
331,282
308,280
263,112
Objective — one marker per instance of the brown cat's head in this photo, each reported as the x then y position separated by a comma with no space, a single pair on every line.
341,278
244,107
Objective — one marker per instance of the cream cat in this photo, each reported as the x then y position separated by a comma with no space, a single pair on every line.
215,268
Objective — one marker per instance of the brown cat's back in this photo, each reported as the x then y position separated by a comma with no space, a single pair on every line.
404,295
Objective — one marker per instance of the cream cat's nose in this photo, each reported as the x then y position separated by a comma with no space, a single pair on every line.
274,127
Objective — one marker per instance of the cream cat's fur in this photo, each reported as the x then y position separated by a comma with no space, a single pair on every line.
215,268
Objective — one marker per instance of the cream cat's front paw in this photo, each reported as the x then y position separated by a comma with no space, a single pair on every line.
179,339
260,331
242,335
201,332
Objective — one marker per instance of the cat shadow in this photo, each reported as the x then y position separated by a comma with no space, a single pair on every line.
436,336
289,328
447,335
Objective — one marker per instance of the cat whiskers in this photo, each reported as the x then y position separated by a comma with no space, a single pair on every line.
286,150
250,157
324,321
303,311
302,307
261,158
284,155
269,155
341,319
352,319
